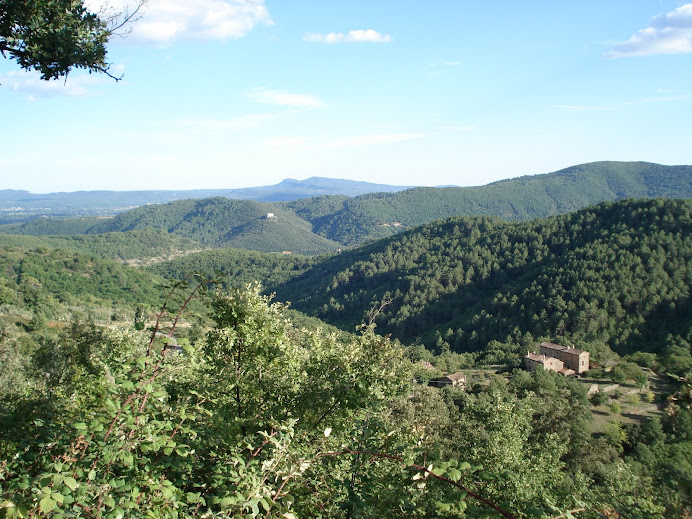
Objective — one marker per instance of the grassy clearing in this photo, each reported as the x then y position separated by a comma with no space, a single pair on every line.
628,403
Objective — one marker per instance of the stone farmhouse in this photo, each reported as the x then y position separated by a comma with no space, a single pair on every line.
565,360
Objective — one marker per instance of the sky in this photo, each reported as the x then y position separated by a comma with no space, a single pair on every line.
220,94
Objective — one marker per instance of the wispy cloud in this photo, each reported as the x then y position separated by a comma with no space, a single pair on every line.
367,35
351,141
30,84
457,127
286,143
670,33
277,97
188,131
580,108
165,21
369,140
242,122
291,103
670,98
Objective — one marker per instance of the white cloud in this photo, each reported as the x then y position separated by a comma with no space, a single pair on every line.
216,126
670,33
666,98
164,21
277,97
367,35
31,84
670,98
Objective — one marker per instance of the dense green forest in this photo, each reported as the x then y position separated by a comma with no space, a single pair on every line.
145,245
323,224
71,277
240,266
377,215
212,222
223,222
610,275
238,406
52,226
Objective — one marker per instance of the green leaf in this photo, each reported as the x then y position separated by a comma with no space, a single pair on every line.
454,474
71,483
486,476
265,504
80,426
47,505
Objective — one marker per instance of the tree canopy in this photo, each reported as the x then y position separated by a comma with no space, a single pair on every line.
55,36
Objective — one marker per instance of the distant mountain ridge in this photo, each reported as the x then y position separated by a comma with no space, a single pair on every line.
356,220
109,202
326,223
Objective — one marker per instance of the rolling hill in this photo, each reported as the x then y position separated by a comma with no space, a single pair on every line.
616,274
220,222
239,266
140,246
372,216
24,203
326,223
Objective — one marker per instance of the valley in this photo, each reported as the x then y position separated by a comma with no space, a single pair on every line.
377,313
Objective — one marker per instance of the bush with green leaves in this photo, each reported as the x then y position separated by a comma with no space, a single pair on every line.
599,398
262,420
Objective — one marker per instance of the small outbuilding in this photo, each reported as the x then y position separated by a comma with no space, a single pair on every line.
454,380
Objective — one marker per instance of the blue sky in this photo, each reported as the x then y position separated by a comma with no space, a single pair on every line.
229,93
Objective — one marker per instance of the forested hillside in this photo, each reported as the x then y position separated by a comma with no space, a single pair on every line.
223,222
616,274
144,245
238,266
52,226
216,222
41,278
383,214
325,223
253,411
